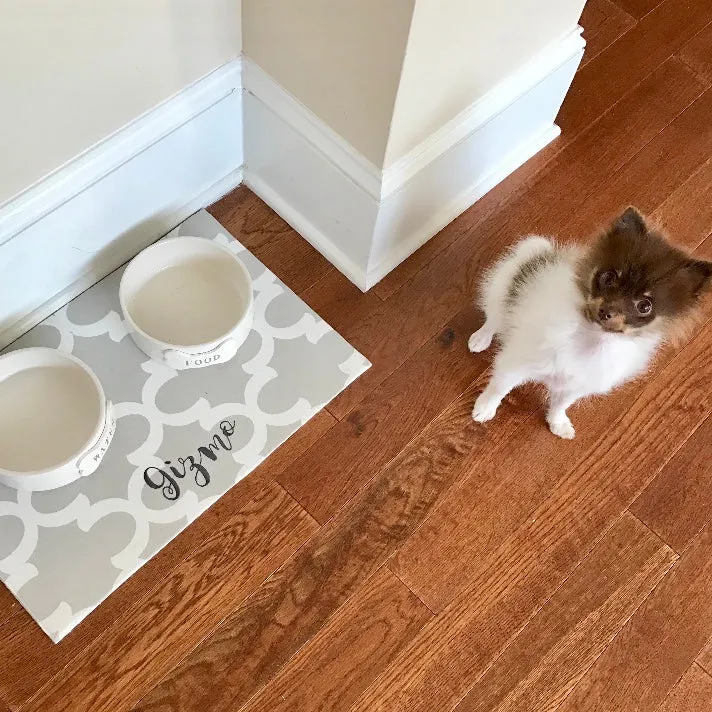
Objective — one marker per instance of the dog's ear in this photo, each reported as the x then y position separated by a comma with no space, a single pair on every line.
631,222
697,274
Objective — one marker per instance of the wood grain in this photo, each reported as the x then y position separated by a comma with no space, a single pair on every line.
250,219
334,668
697,53
434,561
493,499
705,249
298,443
147,640
692,694
353,451
658,644
603,23
677,504
30,658
687,212
516,571
254,643
650,178
401,325
341,304
271,240
610,76
704,659
544,662
638,8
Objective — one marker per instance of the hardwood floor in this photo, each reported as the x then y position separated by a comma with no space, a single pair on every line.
394,556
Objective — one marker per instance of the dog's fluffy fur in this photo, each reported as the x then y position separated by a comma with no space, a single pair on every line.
583,320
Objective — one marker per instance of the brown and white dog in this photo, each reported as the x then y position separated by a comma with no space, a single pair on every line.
583,320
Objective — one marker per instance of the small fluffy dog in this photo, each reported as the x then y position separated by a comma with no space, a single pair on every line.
584,319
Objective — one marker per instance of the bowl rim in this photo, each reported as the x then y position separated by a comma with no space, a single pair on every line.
141,256
97,430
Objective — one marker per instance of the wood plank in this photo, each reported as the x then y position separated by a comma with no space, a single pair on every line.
434,562
658,644
656,172
493,201
339,662
687,212
395,330
611,75
692,694
705,249
603,23
30,658
299,443
545,661
677,504
704,659
246,216
354,450
494,497
255,642
271,240
520,568
638,8
340,303
149,637
697,53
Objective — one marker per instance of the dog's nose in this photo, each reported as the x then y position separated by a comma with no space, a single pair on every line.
604,315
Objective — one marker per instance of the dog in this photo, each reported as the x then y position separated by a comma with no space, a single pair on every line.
584,319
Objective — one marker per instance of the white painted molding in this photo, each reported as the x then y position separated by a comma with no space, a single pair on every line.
482,111
449,211
322,137
88,217
366,220
93,214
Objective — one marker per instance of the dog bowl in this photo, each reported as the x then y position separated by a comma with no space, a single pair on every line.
188,302
55,422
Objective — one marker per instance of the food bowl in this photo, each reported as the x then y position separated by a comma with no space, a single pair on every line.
55,422
187,302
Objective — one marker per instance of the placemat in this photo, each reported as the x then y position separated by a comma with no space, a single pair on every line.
182,439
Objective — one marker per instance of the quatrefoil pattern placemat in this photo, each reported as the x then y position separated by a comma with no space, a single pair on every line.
182,439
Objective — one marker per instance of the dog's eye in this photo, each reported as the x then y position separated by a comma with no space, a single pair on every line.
644,306
607,278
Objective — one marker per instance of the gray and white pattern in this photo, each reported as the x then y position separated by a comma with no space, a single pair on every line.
182,438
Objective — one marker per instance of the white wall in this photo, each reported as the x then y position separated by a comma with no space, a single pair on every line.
459,50
74,71
341,58
386,74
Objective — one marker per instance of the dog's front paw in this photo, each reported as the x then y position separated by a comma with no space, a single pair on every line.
480,340
562,429
485,409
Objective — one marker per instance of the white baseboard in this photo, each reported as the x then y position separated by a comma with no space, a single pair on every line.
93,214
366,220
443,216
307,230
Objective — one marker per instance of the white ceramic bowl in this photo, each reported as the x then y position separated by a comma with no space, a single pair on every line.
188,302
55,422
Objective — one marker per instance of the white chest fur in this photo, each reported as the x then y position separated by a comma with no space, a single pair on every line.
591,361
